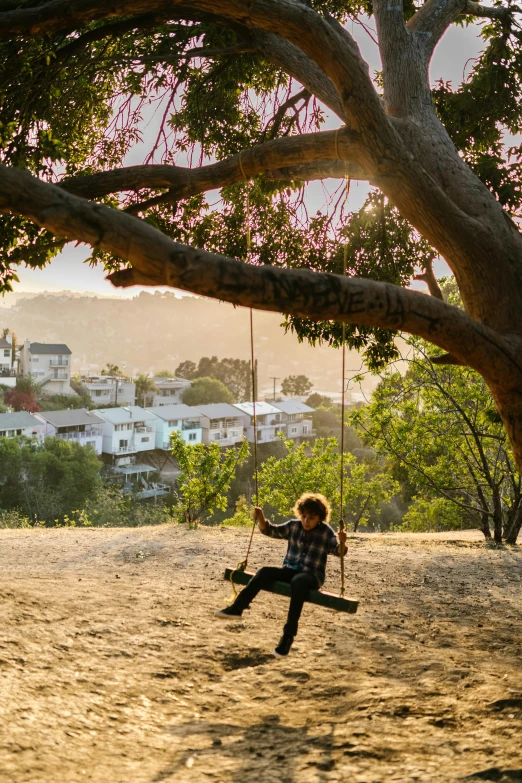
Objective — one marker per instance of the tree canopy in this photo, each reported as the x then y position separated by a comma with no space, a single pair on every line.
205,391
242,92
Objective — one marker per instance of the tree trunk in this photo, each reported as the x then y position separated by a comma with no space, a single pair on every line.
484,526
512,529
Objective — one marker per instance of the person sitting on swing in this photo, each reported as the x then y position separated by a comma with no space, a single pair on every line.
310,541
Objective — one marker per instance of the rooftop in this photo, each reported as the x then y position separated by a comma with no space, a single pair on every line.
70,418
293,406
49,348
218,410
181,411
262,408
18,420
125,414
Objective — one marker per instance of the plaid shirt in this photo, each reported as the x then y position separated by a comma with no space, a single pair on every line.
306,552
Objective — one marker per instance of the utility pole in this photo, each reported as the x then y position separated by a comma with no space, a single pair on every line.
274,378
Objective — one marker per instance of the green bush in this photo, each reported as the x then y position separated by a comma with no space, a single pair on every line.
13,518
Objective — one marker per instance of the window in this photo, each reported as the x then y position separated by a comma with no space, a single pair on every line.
217,436
18,432
7,352
192,436
293,429
234,433
305,429
145,440
173,423
98,392
35,359
124,444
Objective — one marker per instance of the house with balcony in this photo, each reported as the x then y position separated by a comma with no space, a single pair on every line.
177,418
127,431
221,423
296,419
168,391
78,425
7,369
48,364
110,390
269,421
13,425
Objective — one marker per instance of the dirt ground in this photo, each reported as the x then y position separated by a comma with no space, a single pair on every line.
114,669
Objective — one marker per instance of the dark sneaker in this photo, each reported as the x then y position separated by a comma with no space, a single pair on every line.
229,613
283,648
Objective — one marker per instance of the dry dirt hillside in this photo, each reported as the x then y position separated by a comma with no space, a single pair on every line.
114,668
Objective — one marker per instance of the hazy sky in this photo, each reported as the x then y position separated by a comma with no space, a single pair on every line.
67,271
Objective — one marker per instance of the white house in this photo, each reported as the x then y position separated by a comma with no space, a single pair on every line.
297,419
269,421
110,390
7,370
177,418
127,431
222,423
169,391
21,423
78,425
49,364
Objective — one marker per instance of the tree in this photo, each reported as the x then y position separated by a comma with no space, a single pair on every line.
206,472
165,374
144,386
112,369
205,391
21,401
296,385
244,84
282,481
440,429
48,479
236,374
187,370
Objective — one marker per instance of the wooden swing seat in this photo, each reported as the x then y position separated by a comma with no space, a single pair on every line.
319,597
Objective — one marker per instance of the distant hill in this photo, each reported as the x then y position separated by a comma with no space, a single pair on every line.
156,331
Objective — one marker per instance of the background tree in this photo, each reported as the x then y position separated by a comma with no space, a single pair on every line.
113,370
440,429
23,396
205,391
187,370
236,374
206,472
46,480
296,385
317,469
144,388
254,79
165,374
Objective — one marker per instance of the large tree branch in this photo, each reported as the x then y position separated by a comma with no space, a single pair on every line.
156,260
282,153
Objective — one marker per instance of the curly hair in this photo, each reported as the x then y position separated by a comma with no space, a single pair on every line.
313,503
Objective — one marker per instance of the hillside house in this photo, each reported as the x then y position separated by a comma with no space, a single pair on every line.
7,369
127,431
177,418
48,364
296,418
168,391
110,390
79,425
13,425
221,423
269,421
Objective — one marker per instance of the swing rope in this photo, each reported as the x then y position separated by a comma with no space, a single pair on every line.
243,564
343,337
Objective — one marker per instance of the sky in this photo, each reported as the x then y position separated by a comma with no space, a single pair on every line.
453,58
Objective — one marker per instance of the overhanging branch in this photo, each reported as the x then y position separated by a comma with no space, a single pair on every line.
182,183
156,260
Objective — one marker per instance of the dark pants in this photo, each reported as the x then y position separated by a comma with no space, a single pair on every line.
300,582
